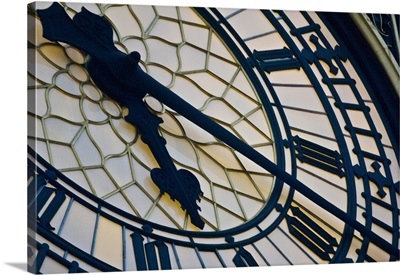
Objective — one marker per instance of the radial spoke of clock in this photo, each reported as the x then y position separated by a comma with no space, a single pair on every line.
316,176
275,245
156,204
317,135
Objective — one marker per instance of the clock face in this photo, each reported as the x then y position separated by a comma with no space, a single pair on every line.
105,154
316,182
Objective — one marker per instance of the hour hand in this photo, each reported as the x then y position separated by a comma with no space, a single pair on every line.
180,185
95,40
118,75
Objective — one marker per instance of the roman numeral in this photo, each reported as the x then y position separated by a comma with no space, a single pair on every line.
39,195
163,253
244,258
43,253
138,249
40,257
312,235
52,208
318,156
146,253
276,60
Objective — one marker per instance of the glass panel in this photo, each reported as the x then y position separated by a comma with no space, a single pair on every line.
108,243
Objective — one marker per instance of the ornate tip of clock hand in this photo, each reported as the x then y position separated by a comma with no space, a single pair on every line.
53,18
196,220
184,187
87,31
96,27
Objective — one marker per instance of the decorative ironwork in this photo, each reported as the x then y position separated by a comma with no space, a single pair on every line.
115,172
124,146
388,26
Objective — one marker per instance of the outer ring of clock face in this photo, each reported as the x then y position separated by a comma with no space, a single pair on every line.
295,143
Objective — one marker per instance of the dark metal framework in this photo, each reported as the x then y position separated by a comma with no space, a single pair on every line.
49,185
388,28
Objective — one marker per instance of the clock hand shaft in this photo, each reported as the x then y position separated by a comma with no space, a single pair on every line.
147,125
179,184
176,103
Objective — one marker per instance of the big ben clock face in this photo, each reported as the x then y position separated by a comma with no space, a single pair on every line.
173,138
